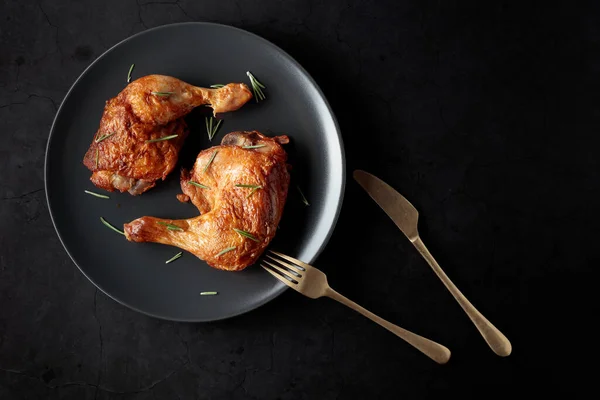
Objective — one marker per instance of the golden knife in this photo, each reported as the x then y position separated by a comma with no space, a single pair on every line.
406,217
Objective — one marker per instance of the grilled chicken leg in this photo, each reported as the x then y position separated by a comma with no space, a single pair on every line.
126,154
240,188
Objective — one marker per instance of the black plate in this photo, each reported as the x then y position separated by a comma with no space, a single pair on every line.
202,54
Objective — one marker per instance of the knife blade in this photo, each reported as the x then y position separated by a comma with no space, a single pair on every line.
396,206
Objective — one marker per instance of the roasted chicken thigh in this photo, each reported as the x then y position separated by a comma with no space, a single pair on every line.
142,130
240,188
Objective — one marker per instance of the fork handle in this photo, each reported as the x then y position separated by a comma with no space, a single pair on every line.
494,338
431,349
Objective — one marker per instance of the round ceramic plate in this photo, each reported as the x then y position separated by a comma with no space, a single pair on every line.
135,274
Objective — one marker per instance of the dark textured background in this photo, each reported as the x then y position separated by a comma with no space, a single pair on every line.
485,117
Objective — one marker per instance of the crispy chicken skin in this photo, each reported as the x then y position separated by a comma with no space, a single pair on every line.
151,107
225,206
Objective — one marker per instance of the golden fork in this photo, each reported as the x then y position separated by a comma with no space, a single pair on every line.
312,283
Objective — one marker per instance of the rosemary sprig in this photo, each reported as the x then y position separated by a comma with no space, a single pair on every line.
208,123
246,234
256,87
214,154
212,128
97,155
129,74
161,139
102,196
306,203
208,293
201,186
227,250
256,146
101,138
170,227
162,94
217,86
111,227
175,257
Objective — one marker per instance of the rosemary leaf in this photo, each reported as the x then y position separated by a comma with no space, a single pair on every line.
208,293
256,146
102,196
161,139
214,154
101,138
227,250
110,226
198,185
209,129
245,234
129,74
217,86
97,156
216,128
306,203
162,94
175,257
252,192
253,187
170,227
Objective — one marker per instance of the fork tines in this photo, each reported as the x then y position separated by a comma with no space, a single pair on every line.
296,263
289,273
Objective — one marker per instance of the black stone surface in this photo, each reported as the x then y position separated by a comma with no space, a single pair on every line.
485,117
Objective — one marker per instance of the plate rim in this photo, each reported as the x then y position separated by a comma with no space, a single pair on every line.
289,58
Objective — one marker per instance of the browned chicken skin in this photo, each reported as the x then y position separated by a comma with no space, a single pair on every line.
225,205
152,107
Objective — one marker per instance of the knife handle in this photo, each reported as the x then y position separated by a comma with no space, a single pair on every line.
494,338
